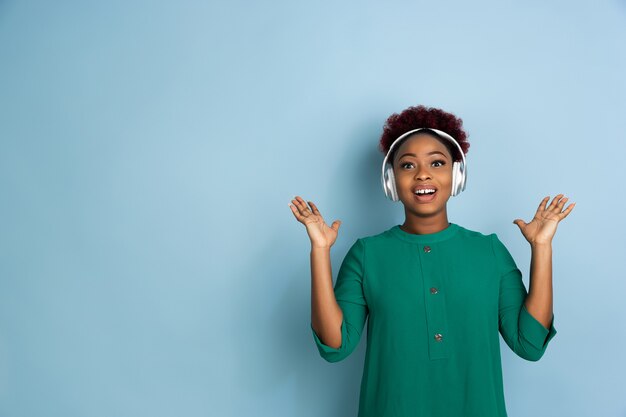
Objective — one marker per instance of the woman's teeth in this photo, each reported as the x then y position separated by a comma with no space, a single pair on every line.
426,191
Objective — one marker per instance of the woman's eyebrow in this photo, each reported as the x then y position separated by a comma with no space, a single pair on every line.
429,153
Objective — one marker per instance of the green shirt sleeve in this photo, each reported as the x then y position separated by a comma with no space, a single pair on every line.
351,299
524,334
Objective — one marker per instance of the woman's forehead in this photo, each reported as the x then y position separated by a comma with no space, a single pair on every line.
422,143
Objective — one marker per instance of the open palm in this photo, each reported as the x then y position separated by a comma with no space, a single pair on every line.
542,227
319,232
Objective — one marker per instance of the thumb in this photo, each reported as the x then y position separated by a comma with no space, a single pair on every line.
336,225
520,223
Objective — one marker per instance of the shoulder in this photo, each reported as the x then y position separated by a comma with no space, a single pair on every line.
384,238
473,244
467,233
491,237
497,248
479,245
375,244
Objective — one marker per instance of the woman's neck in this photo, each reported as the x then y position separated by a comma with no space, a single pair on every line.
422,226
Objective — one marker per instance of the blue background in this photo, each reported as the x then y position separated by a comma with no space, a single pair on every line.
149,263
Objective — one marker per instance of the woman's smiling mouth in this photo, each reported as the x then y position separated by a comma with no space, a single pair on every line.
424,193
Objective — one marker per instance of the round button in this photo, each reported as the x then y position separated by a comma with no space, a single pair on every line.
426,248
433,290
438,337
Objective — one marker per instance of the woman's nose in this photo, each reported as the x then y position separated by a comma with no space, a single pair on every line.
422,173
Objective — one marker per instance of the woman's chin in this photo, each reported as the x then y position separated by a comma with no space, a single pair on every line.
420,207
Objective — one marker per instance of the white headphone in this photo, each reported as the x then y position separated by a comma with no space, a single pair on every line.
459,170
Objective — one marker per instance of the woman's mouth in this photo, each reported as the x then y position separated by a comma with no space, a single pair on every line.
425,196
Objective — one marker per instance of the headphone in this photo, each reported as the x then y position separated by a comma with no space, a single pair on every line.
459,169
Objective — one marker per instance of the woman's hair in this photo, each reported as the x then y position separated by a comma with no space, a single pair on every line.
421,116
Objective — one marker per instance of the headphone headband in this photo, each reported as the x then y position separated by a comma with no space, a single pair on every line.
441,132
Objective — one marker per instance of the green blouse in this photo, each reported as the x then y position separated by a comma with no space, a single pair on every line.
436,303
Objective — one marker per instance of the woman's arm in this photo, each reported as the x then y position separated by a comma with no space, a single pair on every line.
337,314
341,312
539,233
539,299
326,315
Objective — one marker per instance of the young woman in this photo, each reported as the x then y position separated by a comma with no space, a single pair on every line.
435,294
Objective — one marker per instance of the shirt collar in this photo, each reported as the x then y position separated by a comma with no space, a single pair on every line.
442,235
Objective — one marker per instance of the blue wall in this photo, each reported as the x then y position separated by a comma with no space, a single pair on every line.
149,264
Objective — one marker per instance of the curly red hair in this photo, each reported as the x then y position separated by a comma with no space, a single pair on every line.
422,116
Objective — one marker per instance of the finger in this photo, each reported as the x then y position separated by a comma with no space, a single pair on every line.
567,211
561,199
521,223
542,204
296,203
295,212
302,208
314,207
306,207
554,202
559,206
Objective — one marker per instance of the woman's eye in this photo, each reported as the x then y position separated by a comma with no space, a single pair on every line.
403,164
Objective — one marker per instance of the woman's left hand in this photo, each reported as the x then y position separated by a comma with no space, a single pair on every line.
542,227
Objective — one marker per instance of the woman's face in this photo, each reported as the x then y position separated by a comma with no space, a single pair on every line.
423,162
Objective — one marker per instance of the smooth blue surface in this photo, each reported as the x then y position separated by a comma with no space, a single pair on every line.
149,264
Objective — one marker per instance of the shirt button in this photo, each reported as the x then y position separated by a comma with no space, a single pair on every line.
433,290
438,337
426,248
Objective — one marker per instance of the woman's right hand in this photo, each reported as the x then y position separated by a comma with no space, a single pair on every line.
320,234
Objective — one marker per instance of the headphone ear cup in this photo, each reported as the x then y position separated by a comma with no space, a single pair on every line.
461,175
464,178
455,179
393,192
386,182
